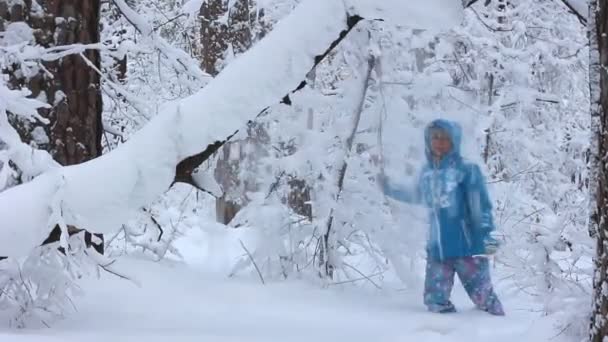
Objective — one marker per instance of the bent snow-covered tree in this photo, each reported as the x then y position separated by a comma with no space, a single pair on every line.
103,193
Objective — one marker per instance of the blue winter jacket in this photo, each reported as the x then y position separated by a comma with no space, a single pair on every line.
455,192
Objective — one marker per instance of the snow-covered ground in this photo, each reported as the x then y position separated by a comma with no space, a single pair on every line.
193,301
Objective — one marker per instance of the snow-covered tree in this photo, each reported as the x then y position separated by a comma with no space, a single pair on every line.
598,31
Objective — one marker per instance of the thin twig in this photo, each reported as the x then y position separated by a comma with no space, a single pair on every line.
487,25
407,84
575,54
105,268
471,3
116,235
119,89
153,219
464,103
527,216
368,278
520,173
169,21
253,262
464,72
275,185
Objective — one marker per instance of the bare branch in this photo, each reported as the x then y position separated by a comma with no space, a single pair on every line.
368,278
324,256
253,262
581,18
469,3
146,29
493,29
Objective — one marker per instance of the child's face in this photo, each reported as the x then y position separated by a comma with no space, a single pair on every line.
441,143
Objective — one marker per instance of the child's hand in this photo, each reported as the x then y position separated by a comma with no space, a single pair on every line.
491,245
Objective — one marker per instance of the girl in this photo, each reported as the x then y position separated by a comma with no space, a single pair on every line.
460,221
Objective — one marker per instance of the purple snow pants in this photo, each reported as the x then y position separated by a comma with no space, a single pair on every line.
474,274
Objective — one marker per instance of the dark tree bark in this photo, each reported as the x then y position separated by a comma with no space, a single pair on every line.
598,38
114,20
214,35
241,30
69,85
245,25
226,209
298,198
74,135
216,38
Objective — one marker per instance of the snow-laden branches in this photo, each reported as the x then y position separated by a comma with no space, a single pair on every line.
178,58
16,51
575,7
327,246
101,194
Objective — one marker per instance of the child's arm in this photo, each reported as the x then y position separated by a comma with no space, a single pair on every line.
480,206
398,192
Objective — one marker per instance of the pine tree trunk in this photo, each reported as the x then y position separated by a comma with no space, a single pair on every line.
241,35
74,133
216,38
118,31
598,37
214,35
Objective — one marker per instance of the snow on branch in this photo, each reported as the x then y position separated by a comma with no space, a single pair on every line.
469,3
578,8
429,14
192,7
325,257
103,193
177,57
449,17
186,168
140,23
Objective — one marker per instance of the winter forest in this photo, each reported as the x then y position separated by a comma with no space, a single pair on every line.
240,170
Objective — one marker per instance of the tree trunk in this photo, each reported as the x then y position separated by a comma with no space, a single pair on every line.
598,38
243,28
213,35
74,132
114,20
328,244
241,34
216,39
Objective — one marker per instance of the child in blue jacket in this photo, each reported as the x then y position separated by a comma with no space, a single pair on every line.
460,221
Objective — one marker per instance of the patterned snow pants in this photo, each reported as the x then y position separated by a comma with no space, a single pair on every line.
474,274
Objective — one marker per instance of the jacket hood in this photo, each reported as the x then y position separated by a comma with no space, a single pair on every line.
454,131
